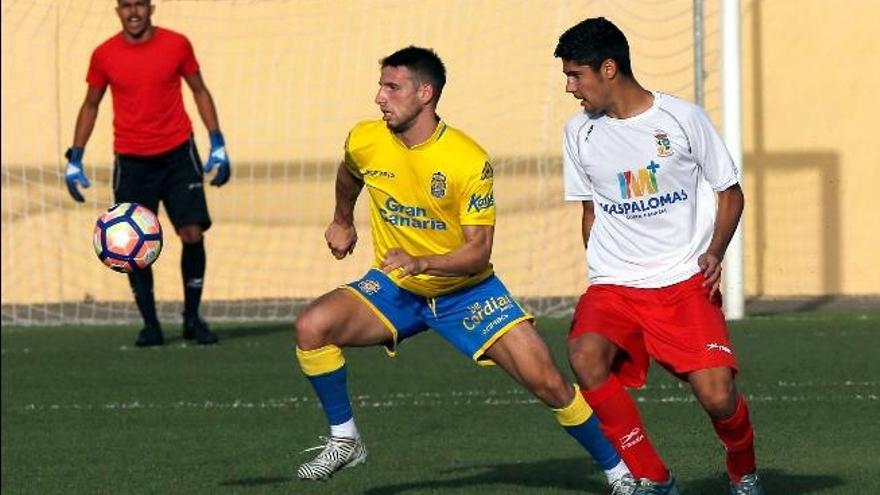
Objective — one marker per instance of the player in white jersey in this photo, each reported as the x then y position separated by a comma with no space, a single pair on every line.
649,168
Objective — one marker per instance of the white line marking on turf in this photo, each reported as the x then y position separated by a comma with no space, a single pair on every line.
432,399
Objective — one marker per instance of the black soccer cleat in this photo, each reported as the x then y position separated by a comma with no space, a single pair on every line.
150,337
197,330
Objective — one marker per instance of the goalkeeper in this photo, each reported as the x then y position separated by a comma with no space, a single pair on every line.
156,157
432,217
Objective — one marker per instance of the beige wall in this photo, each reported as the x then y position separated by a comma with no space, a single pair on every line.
290,77
810,105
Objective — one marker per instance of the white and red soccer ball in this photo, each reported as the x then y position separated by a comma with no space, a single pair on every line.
127,237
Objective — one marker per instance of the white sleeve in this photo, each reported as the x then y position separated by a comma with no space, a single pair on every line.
712,156
577,184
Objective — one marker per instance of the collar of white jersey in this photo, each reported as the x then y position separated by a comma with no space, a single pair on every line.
438,133
637,118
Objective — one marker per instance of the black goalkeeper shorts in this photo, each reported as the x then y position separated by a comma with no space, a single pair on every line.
174,177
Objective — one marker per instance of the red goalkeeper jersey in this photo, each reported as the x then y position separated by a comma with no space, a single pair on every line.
144,79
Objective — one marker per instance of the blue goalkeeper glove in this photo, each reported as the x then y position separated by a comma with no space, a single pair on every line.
219,159
74,172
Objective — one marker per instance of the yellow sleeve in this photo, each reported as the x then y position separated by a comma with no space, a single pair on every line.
478,197
349,161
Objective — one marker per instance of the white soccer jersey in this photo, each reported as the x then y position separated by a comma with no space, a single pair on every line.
652,179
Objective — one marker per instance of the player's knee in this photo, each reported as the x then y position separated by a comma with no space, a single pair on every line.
310,330
718,399
552,388
190,234
720,406
590,359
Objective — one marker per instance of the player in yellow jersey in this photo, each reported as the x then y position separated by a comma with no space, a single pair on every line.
432,216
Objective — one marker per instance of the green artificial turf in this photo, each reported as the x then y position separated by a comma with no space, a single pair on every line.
83,411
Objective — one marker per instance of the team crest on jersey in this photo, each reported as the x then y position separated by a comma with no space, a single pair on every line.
664,146
488,173
369,287
438,185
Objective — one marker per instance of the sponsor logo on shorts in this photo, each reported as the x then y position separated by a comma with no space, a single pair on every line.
194,185
493,307
714,346
490,327
369,287
632,438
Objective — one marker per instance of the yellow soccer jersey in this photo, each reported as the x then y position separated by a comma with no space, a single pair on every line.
420,197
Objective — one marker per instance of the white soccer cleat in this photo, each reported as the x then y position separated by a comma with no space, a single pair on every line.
625,485
336,453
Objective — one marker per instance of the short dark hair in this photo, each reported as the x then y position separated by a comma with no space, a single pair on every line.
593,41
423,62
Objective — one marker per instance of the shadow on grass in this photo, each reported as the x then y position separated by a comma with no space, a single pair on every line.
576,474
579,475
756,307
256,481
774,481
230,333
226,333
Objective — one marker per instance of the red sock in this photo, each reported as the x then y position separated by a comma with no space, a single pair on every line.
738,437
622,425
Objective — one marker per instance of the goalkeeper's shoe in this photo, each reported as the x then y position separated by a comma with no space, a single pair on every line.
645,486
625,485
750,484
149,337
336,453
196,329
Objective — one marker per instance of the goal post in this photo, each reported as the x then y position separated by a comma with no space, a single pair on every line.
734,291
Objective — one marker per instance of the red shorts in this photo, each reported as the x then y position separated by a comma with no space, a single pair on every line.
679,326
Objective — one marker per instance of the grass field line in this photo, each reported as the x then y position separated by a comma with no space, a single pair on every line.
411,400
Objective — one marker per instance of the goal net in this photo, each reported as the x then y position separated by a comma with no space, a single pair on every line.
289,79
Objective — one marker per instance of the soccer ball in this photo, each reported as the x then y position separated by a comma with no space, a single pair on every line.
127,237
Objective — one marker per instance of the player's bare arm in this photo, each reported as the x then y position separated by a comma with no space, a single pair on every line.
74,173
472,257
730,207
587,218
208,112
341,235
204,101
88,114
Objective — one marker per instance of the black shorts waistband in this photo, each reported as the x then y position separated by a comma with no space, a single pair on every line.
176,149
